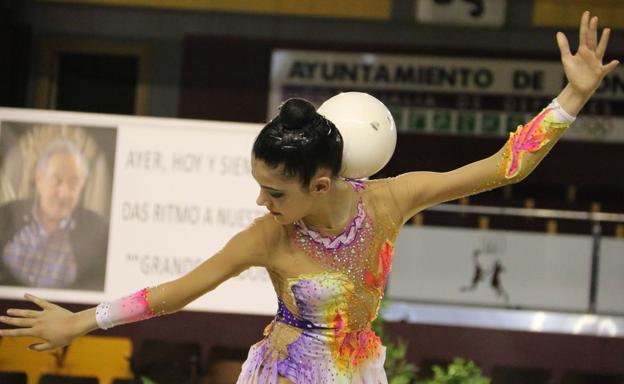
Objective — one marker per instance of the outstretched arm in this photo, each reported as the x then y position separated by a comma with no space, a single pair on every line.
58,326
525,148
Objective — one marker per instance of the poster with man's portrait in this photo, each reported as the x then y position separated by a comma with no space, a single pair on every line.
55,202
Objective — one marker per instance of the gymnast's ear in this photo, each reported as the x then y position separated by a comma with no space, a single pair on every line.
321,183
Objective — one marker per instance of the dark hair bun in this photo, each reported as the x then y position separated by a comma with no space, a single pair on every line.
297,113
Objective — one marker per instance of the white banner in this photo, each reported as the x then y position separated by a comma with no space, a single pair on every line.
447,95
180,190
610,298
492,268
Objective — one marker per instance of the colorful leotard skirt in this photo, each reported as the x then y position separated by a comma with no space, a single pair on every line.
317,346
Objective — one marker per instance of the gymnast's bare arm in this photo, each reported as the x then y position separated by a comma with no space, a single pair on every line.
415,191
57,326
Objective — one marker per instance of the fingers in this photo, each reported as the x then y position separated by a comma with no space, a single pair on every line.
583,27
18,321
564,47
611,66
602,45
592,33
17,332
24,313
40,302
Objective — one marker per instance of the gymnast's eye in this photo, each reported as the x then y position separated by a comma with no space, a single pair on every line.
276,195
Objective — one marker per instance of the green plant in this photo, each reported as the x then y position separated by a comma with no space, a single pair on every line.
146,380
460,371
398,369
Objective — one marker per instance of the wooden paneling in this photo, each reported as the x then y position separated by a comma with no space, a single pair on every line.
557,13
351,9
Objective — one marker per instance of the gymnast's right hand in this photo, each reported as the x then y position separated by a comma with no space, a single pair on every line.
55,325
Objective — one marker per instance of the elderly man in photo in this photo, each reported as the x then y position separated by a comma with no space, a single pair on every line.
49,241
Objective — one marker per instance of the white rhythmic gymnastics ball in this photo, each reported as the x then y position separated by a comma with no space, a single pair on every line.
368,132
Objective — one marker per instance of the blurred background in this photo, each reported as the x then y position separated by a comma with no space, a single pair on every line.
458,75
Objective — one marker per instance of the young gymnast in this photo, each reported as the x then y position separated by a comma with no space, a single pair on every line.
327,241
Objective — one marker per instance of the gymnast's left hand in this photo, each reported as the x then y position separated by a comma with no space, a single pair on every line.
584,70
53,324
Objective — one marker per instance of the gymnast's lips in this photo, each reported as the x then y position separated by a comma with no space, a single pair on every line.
274,213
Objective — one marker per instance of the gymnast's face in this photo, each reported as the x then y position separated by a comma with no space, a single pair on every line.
285,198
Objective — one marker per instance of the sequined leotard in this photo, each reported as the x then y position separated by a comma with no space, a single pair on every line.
329,288
322,331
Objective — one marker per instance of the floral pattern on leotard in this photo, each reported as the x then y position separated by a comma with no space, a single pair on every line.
322,332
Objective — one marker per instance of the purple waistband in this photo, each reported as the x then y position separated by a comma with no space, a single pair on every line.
285,316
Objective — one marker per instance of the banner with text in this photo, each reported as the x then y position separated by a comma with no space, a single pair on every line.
447,95
180,190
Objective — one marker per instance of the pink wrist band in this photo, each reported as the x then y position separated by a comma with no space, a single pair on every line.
128,309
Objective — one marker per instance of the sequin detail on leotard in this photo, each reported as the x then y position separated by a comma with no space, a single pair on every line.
346,237
326,337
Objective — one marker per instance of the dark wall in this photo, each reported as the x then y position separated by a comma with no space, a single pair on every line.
233,85
238,46
569,163
15,48
227,78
